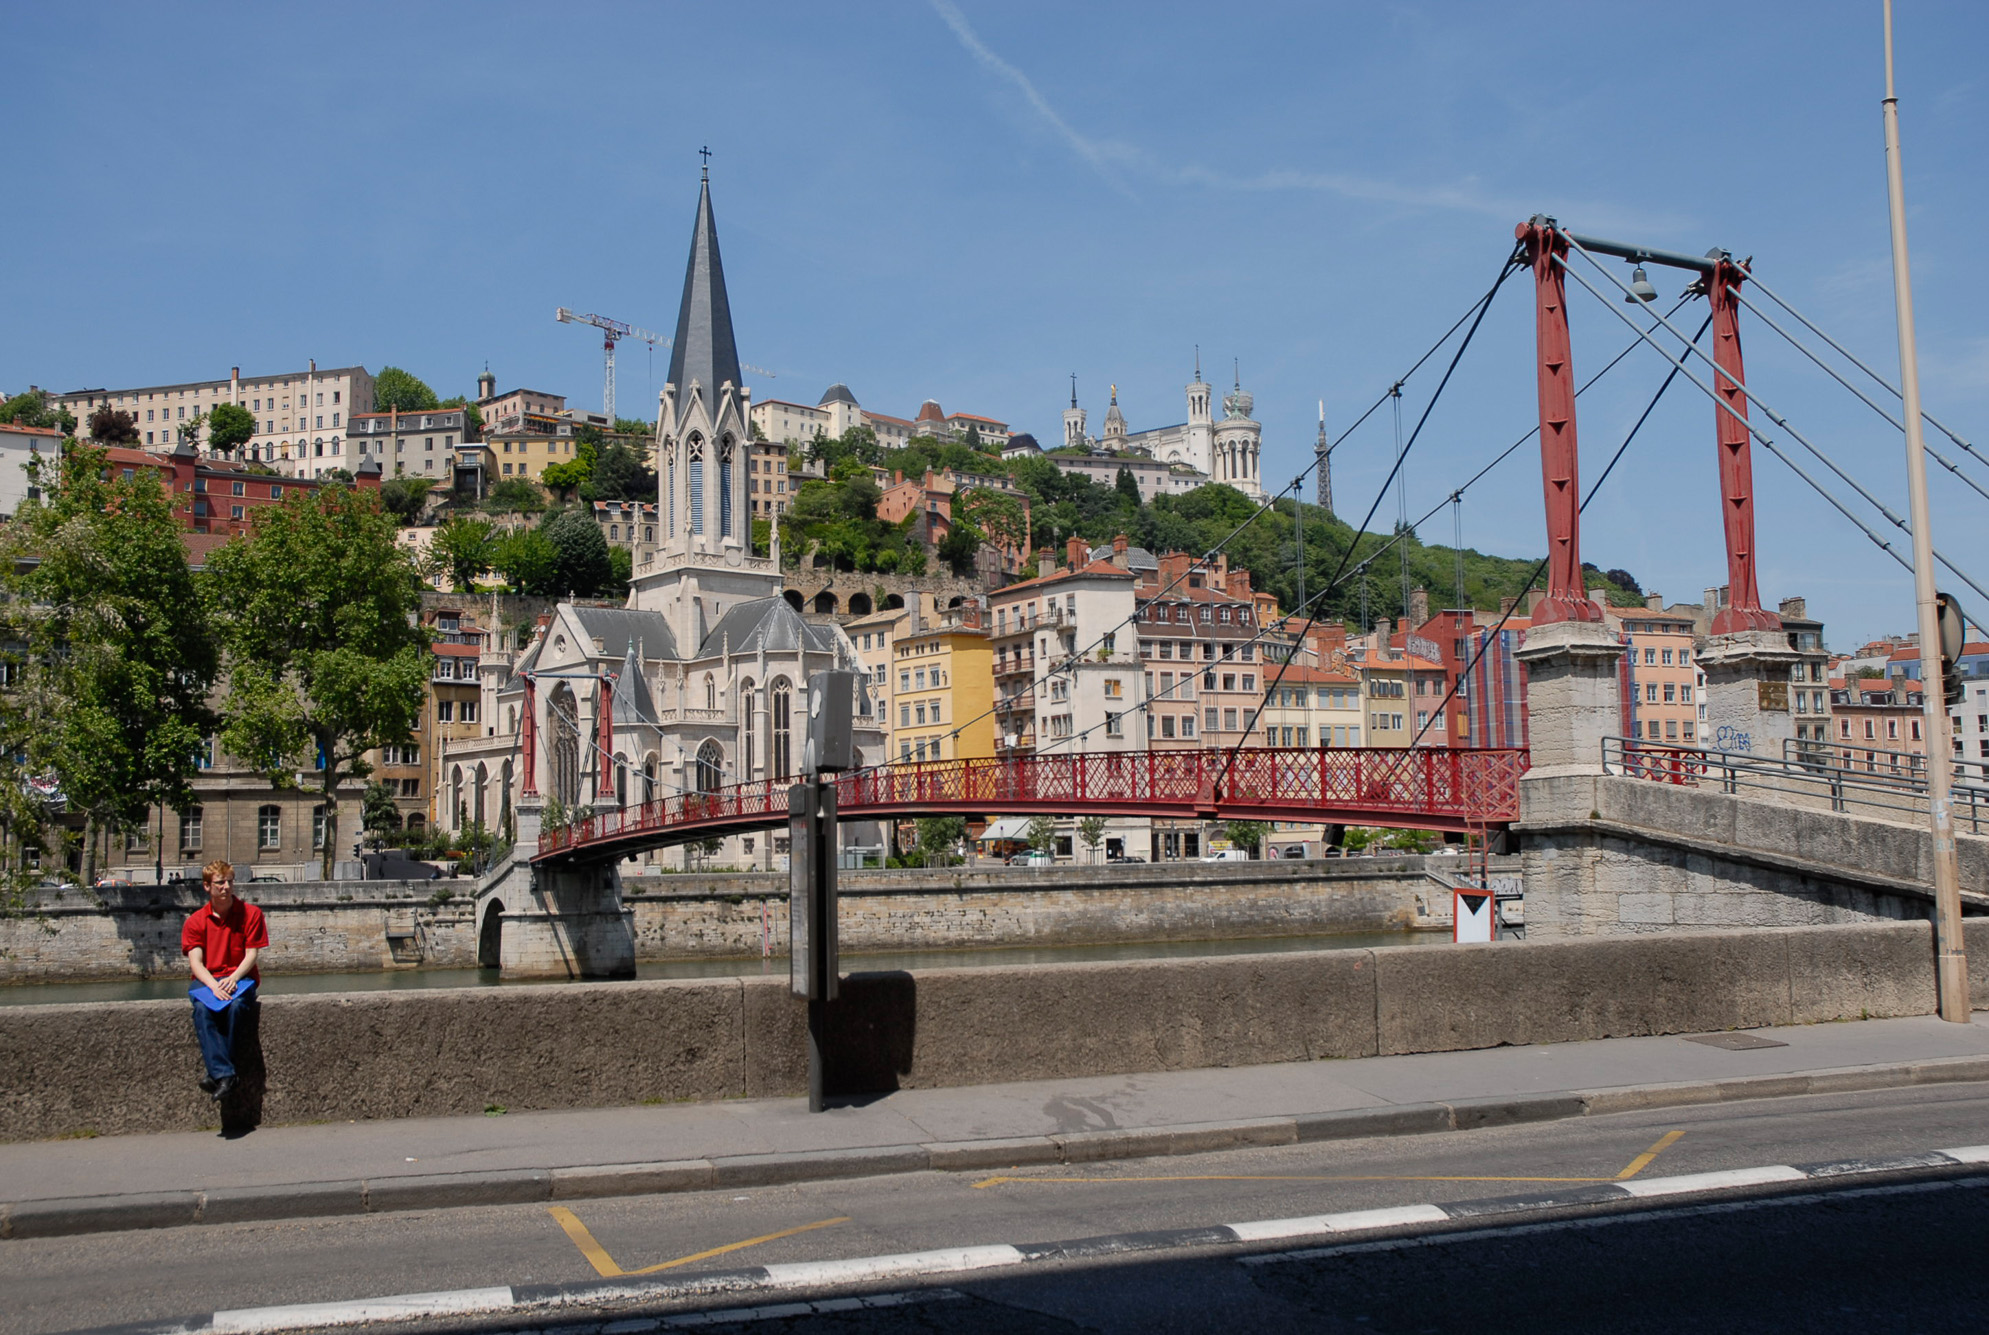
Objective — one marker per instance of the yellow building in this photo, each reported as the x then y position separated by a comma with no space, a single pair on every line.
942,697
1398,692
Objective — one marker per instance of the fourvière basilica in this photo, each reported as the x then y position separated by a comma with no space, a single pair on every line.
1225,451
701,679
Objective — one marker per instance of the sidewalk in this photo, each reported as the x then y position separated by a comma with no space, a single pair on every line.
293,1171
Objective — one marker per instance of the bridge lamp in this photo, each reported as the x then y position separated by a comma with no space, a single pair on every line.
1640,287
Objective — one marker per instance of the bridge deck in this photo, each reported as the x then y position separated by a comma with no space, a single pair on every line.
1433,788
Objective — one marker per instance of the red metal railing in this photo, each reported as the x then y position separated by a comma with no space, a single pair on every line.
1439,788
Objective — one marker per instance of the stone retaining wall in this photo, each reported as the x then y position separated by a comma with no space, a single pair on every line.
110,1069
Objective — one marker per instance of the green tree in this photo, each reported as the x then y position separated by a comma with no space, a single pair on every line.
379,814
189,430
32,408
230,427
629,426
465,548
317,609
528,562
573,474
405,497
515,495
621,475
621,569
1042,833
1092,830
113,426
938,836
116,654
584,568
1248,834
999,515
394,388
1128,487
960,547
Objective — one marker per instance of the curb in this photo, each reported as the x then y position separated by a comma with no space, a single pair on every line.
941,1262
102,1214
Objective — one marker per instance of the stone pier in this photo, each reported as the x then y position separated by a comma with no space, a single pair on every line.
568,923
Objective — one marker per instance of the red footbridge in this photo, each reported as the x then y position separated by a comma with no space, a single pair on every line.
1429,788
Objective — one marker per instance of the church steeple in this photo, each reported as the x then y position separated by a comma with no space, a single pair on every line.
704,350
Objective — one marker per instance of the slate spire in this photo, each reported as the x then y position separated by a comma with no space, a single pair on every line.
703,349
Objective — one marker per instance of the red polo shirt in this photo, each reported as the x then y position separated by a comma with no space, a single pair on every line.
224,940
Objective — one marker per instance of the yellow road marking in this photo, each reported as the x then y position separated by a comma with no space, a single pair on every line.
1643,1161
605,1266
1272,1177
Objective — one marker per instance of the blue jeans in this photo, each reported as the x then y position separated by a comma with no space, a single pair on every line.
217,1032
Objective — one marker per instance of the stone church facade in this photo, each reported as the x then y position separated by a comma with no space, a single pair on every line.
1228,451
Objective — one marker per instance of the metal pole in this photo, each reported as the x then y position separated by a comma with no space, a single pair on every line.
1952,965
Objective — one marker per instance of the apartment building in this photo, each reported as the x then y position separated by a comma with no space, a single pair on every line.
20,446
302,417
965,428
522,452
1067,676
1152,476
514,409
1399,694
1313,707
1879,724
456,706
930,499
769,491
874,634
219,496
419,444
944,697
1662,699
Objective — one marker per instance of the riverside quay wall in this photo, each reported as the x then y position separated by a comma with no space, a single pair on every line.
115,1068
358,926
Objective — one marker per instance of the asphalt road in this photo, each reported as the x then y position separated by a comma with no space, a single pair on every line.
1893,1258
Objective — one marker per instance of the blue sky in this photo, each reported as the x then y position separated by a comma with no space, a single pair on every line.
971,202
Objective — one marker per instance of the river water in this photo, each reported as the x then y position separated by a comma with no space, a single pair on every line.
154,989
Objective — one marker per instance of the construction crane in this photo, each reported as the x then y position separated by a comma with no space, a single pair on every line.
613,331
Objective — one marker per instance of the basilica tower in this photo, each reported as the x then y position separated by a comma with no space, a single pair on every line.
1238,442
1074,420
1199,437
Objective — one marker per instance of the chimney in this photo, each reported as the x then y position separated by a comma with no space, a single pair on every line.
1074,551
314,366
1238,583
1716,599
1419,607
1046,560
1506,605
1654,601
1119,551
1796,609
1383,633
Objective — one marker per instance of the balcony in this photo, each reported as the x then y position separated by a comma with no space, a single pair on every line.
1015,665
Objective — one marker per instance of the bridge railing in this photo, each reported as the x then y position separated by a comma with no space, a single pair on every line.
1891,785
1454,786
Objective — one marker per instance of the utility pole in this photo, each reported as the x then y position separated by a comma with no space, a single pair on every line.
1952,963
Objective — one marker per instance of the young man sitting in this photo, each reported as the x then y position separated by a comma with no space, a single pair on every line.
222,940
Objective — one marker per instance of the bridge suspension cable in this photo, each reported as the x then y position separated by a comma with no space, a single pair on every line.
1749,426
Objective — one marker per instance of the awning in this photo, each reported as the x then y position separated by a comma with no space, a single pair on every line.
1015,828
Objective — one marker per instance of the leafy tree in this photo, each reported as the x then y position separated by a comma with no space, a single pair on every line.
999,515
1248,834
1092,830
32,408
113,426
515,495
528,561
230,426
1128,487
961,546
342,476
620,474
938,837
394,388
317,609
858,444
189,430
405,497
379,815
1042,833
117,658
465,548
573,474
629,426
584,568
621,569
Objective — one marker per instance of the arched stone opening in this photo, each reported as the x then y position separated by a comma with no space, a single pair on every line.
893,601
825,603
490,936
859,604
562,726
793,597
710,771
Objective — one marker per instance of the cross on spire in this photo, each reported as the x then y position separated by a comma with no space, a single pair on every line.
705,153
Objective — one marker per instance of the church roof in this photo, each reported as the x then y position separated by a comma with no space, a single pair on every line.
619,628
632,700
839,393
703,349
769,624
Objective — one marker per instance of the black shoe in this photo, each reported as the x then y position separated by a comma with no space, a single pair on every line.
224,1087
208,1084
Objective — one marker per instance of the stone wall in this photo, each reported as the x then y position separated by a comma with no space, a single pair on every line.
688,916
109,1069
1620,856
314,927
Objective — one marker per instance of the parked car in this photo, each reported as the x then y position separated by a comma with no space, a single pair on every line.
1227,855
1123,857
1033,858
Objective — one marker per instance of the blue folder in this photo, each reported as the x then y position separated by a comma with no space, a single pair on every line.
204,994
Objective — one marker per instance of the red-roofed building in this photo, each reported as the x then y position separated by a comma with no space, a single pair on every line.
220,496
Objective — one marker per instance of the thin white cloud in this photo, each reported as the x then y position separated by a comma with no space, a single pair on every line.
1095,152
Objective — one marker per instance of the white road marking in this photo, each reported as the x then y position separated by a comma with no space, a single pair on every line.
399,1307
1732,1177
1394,1216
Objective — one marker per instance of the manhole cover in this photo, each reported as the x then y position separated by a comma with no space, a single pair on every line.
1736,1042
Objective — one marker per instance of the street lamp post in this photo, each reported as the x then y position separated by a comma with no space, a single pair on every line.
1952,966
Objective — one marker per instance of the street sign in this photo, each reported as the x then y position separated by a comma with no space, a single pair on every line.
811,890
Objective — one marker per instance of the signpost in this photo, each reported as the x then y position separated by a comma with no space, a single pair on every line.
811,862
